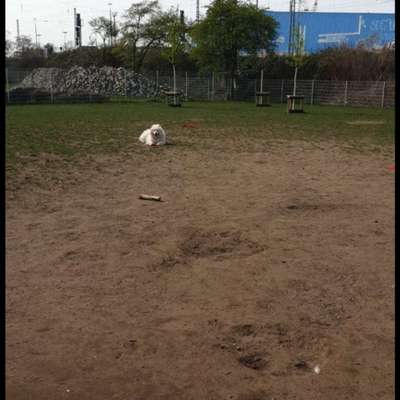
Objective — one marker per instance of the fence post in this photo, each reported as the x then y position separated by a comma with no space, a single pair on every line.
90,88
125,86
282,91
8,86
51,89
213,85
383,94
157,79
186,85
226,86
345,93
312,92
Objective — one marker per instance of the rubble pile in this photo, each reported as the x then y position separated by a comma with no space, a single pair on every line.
105,81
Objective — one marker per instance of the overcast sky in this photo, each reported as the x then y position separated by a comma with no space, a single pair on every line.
53,17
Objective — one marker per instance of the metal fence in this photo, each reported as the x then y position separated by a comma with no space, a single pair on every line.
218,87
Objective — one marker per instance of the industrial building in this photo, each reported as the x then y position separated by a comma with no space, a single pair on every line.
320,30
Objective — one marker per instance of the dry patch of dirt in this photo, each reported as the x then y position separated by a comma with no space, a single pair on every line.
365,122
256,268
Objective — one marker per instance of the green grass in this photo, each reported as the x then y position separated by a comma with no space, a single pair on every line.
79,129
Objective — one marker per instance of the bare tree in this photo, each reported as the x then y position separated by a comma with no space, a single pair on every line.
104,28
144,27
10,45
23,43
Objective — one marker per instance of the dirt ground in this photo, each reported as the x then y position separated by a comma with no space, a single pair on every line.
256,268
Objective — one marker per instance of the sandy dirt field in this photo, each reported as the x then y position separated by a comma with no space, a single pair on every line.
256,268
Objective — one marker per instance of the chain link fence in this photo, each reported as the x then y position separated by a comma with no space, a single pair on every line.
213,87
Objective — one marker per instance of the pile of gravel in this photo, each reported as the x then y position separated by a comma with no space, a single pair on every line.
105,81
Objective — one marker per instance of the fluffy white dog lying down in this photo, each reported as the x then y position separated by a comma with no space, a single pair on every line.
155,136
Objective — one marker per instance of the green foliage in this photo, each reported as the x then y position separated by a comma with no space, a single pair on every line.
297,59
359,64
231,27
175,39
174,43
157,61
144,28
340,63
298,55
50,49
86,56
27,58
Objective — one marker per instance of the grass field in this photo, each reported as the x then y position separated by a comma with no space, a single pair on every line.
73,130
271,254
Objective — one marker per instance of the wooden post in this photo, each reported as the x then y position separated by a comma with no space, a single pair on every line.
312,92
173,70
126,85
8,86
150,197
213,85
383,94
186,85
262,80
90,89
345,93
51,89
282,91
295,82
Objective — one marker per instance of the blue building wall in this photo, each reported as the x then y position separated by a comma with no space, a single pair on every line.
323,29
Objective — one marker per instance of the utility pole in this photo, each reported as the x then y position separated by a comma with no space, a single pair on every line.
36,36
75,26
114,24
77,29
110,4
182,21
18,30
197,10
65,40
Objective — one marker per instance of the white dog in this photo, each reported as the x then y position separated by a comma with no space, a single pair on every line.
155,136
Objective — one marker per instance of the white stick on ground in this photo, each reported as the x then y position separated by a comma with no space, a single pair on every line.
148,197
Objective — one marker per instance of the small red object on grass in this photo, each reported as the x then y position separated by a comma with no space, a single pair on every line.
189,125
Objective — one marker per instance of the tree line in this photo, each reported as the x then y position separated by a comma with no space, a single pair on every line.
229,38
